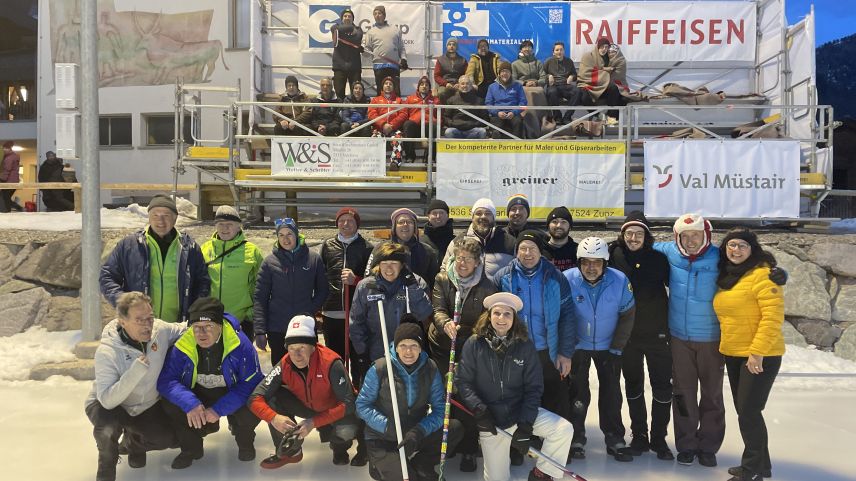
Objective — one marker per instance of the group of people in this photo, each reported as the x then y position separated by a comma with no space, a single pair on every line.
52,170
515,315
482,80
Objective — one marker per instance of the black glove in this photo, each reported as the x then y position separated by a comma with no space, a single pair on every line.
410,278
779,276
403,65
484,421
522,438
411,441
362,49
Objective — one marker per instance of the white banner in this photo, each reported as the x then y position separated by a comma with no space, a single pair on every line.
317,16
328,156
585,177
667,31
722,178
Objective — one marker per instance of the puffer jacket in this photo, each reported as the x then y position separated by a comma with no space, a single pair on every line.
498,250
336,256
354,114
240,368
692,286
443,300
396,119
751,315
499,95
605,322
233,276
509,386
9,168
415,391
414,114
422,260
127,269
289,283
121,379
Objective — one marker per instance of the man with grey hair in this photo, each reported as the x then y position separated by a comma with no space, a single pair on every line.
124,396
463,123
325,116
497,245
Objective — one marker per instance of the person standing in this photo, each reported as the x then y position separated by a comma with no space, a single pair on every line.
561,248
438,230
751,311
422,257
56,200
347,46
9,175
448,68
233,266
498,247
518,215
386,46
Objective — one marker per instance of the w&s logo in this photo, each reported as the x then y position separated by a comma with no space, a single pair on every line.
294,153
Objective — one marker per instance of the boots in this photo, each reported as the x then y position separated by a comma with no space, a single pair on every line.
639,444
659,446
186,458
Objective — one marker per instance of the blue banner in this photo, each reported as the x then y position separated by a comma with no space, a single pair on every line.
505,25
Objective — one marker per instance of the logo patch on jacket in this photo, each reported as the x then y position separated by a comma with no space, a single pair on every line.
519,362
580,299
375,297
342,380
154,347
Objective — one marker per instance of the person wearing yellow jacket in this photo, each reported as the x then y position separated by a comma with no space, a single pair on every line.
751,310
233,265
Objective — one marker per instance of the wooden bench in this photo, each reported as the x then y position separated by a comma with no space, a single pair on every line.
75,187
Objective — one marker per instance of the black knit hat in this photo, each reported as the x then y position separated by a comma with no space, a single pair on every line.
437,204
636,218
518,199
409,330
533,235
205,309
291,79
163,200
560,212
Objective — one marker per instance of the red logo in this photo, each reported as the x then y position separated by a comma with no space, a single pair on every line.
296,324
155,347
664,171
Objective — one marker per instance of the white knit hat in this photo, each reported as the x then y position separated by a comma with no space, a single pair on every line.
484,203
688,222
301,330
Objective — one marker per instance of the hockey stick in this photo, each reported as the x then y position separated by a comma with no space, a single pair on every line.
456,319
532,451
367,50
394,397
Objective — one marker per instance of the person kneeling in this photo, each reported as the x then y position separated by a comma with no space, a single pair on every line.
417,387
501,381
309,382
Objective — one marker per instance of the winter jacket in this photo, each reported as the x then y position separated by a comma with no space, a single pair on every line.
560,70
415,391
240,368
514,233
354,114
648,271
499,95
457,118
233,276
443,300
474,67
289,283
559,316
751,315
449,69
337,256
528,68
51,171
346,57
9,169
414,114
604,311
121,379
423,260
384,40
498,250
692,286
438,238
365,321
509,386
128,269
396,119
325,115
325,389
301,114
564,257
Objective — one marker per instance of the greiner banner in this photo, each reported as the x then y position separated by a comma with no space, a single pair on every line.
317,16
586,177
667,31
328,157
722,178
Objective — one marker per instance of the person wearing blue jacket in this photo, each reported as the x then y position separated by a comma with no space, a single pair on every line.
292,280
421,397
210,373
605,309
505,92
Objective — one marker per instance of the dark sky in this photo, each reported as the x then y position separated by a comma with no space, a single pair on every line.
833,18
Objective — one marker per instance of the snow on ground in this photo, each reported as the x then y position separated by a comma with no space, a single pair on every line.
35,346
133,216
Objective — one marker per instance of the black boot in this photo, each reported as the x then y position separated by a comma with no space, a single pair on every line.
362,457
639,444
106,467
659,446
185,459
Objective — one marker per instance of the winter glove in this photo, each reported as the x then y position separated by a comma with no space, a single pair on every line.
410,278
522,438
362,49
779,276
403,65
261,342
484,421
411,441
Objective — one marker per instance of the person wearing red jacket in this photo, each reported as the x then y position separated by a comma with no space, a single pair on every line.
388,125
309,382
413,125
9,174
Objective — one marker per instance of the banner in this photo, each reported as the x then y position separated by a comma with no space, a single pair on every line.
722,178
328,156
585,177
667,31
505,25
317,16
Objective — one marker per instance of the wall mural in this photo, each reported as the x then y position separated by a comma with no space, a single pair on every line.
139,48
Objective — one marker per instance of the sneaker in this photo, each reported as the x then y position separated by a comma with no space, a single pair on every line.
273,461
468,463
360,459
707,459
738,471
185,459
516,458
639,444
137,460
686,457
246,454
660,447
620,452
340,458
537,475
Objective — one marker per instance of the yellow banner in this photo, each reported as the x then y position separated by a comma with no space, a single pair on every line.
529,147
196,152
578,213
410,176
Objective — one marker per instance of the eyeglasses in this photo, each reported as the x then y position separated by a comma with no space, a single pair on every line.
405,222
201,328
634,235
410,347
465,259
733,246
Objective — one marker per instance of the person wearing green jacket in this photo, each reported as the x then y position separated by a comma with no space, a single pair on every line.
233,265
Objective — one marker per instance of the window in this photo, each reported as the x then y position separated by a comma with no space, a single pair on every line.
160,129
239,23
114,131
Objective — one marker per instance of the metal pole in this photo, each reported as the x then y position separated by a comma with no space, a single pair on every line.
90,244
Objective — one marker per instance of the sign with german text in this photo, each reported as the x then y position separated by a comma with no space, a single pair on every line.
328,157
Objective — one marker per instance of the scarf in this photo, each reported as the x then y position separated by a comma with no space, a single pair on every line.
463,284
389,288
733,273
499,344
347,240
139,345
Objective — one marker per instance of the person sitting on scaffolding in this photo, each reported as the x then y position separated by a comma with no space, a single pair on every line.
388,125
353,117
506,92
418,115
325,117
603,77
294,114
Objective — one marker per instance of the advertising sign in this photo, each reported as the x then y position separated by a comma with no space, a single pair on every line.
328,157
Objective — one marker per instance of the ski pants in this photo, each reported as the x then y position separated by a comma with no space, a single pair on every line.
699,420
384,457
658,356
608,368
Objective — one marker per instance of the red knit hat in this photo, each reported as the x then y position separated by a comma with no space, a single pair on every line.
348,210
9,144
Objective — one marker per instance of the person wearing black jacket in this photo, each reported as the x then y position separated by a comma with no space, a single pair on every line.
648,271
561,83
347,62
561,248
325,117
500,381
423,259
56,200
438,230
459,123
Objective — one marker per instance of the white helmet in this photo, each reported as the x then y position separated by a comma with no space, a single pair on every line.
593,248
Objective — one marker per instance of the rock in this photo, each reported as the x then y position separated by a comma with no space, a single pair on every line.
22,255
795,251
22,310
838,257
846,346
15,285
844,304
7,258
65,314
57,263
805,294
792,336
81,369
108,247
86,349
820,333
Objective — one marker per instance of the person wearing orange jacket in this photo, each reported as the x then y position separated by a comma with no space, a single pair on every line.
387,126
413,125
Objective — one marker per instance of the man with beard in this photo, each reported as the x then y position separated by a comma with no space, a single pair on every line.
438,229
423,258
448,69
497,245
561,248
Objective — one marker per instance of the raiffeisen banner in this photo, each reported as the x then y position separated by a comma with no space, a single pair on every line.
667,31
722,178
